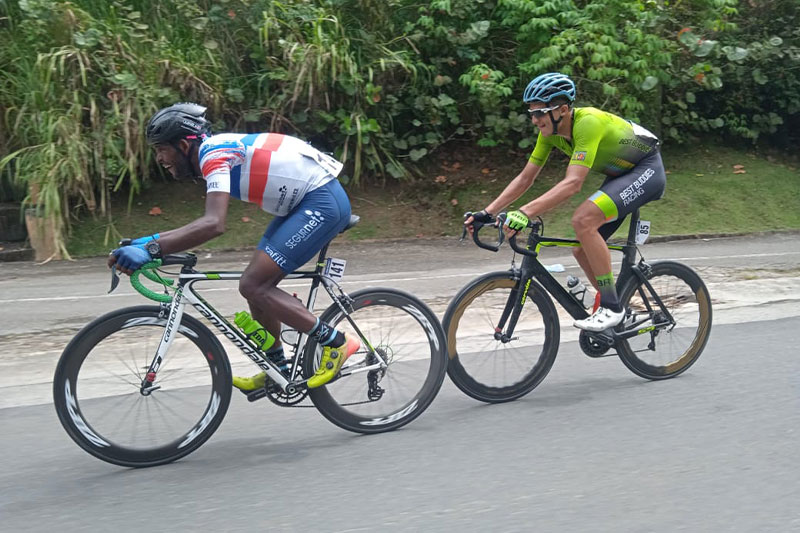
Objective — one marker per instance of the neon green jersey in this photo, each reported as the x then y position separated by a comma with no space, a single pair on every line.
601,141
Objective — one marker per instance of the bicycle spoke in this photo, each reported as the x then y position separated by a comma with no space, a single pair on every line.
108,388
399,338
489,369
674,346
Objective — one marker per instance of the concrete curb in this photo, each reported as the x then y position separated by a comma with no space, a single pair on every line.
697,236
454,238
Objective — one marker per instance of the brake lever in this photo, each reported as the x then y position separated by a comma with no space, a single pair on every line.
114,275
114,279
501,236
464,231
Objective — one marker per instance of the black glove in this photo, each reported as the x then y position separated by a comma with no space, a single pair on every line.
483,217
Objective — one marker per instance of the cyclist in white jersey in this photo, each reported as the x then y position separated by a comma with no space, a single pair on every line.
284,176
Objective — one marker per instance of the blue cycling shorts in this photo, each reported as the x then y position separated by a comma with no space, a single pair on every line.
293,239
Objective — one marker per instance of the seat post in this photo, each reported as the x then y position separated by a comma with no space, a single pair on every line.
322,253
633,227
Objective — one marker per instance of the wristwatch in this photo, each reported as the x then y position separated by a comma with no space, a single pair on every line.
154,249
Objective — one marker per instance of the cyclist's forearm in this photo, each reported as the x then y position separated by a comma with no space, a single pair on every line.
193,234
514,190
560,192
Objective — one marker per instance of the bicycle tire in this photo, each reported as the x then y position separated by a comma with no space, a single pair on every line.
94,350
404,311
685,292
464,378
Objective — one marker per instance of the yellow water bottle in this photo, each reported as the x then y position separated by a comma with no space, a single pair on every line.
254,330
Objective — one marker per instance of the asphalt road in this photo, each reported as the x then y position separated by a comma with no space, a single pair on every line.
594,448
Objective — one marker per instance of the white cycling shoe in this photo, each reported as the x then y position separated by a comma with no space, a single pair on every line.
600,320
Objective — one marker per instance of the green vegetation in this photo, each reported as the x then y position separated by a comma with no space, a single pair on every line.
704,195
385,84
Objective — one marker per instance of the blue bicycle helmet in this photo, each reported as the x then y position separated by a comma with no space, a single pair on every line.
547,86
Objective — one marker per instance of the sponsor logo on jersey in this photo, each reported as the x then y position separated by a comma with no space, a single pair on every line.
635,190
293,199
636,143
276,256
579,156
315,220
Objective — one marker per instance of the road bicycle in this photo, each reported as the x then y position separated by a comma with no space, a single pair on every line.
503,328
147,385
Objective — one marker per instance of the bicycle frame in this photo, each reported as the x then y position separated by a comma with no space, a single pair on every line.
531,268
186,293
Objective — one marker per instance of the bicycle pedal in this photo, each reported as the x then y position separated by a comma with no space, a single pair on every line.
255,395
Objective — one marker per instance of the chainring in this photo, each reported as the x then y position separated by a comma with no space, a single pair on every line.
593,346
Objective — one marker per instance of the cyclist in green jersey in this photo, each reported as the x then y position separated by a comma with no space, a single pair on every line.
626,153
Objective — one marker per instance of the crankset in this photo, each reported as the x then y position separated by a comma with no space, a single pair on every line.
283,398
594,345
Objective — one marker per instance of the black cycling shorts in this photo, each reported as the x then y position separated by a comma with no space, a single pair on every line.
620,196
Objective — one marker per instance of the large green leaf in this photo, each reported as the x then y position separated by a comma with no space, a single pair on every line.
735,53
759,77
704,48
417,153
649,82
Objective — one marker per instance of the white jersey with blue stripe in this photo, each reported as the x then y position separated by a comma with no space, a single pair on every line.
272,170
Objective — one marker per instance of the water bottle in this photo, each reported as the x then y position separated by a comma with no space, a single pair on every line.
254,330
578,290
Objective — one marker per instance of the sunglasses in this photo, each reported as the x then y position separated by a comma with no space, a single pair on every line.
539,113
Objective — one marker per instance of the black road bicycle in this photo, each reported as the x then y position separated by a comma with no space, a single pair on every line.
146,385
503,329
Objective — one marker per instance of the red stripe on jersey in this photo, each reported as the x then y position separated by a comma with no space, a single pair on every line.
273,141
259,167
212,165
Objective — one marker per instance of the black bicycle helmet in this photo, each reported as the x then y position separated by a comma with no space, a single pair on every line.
184,120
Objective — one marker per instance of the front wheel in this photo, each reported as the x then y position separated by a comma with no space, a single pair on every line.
668,342
488,369
98,395
402,331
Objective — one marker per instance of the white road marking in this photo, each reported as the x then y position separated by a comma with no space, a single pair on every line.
470,274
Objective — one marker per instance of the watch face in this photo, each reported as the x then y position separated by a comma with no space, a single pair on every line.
154,249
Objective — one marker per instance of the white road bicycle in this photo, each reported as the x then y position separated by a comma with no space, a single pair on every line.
146,385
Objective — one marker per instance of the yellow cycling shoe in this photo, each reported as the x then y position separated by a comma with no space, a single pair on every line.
332,361
250,384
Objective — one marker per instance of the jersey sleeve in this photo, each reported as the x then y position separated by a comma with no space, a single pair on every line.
541,151
587,136
217,158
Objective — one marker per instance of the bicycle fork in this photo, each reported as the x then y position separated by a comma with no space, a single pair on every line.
512,310
173,322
